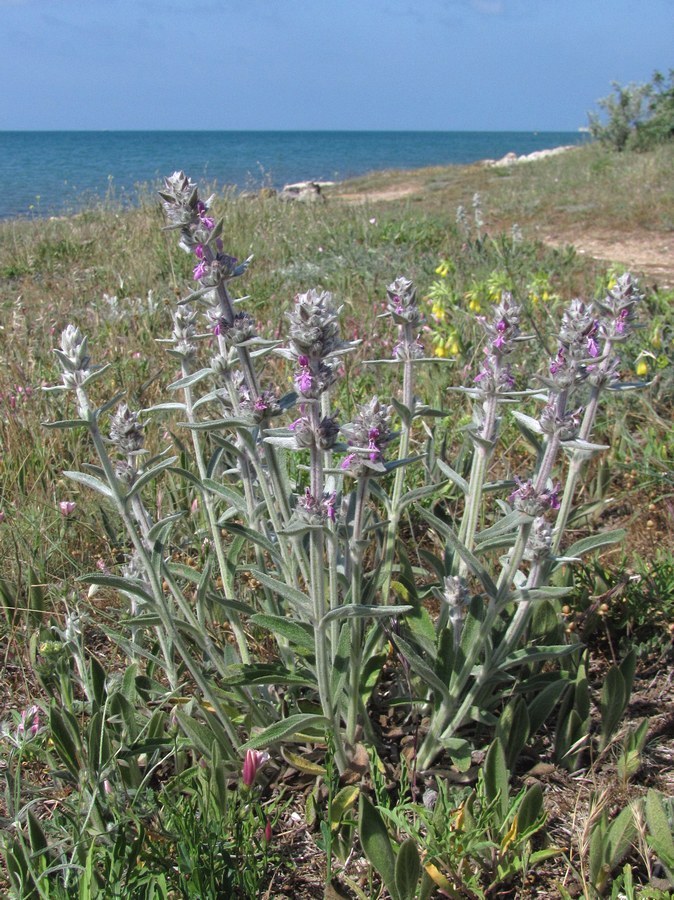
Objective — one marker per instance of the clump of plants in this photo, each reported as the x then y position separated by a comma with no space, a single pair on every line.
636,116
288,561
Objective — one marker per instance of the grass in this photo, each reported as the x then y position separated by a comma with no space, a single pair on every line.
68,270
587,187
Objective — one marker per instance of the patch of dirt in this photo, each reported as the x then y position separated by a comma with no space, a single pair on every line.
650,252
392,192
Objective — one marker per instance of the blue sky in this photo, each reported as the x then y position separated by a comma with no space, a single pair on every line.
322,64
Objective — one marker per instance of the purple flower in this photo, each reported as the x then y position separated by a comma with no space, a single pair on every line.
621,321
199,270
533,502
67,508
329,505
304,381
348,460
206,221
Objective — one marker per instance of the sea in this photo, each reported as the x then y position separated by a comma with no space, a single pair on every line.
47,173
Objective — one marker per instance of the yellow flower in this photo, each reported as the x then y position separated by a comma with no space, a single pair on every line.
443,269
474,306
642,368
454,348
440,351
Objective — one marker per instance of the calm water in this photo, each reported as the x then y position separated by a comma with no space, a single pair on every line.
44,173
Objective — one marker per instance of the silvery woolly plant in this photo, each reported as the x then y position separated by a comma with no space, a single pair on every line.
482,629
309,511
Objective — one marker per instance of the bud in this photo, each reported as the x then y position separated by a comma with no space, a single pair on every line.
366,436
314,329
402,302
540,540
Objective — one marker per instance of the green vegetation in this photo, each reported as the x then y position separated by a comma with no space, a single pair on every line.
637,116
132,747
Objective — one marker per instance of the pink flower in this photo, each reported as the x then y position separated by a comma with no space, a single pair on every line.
30,721
253,762
67,508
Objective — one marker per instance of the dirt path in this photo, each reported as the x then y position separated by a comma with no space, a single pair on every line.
650,253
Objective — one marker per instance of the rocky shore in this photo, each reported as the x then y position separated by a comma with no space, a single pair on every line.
512,159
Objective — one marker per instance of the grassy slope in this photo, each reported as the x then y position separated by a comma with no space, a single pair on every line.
585,188
52,272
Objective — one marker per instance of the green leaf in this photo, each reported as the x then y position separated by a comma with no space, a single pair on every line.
459,750
148,475
343,800
412,496
535,654
542,705
299,634
459,547
124,585
62,727
286,728
513,729
506,525
253,537
496,777
619,836
453,476
168,407
403,411
376,844
232,497
407,869
89,481
356,611
659,835
570,739
612,704
190,380
161,529
36,836
421,668
628,668
198,734
65,423
594,542
265,673
297,599
342,658
530,810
